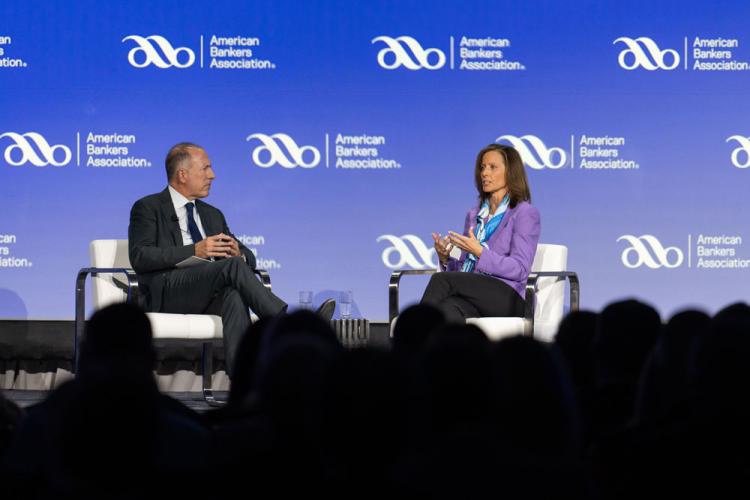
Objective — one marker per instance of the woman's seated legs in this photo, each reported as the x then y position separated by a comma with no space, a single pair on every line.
467,295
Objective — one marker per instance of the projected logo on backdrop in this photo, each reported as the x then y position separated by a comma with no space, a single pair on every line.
214,52
714,252
282,150
741,152
407,52
33,148
646,54
461,53
647,250
534,153
398,255
712,54
165,57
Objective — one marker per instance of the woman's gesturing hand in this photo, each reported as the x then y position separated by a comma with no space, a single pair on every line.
466,243
442,247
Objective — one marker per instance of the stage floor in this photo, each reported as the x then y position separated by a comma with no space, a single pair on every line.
53,340
193,400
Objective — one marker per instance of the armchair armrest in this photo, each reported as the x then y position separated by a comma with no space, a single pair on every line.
393,289
265,278
80,317
531,289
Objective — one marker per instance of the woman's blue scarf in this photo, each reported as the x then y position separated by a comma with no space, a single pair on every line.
483,230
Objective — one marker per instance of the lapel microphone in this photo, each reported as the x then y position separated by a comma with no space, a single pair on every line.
175,219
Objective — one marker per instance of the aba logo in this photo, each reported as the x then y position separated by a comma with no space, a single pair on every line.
407,52
282,150
399,255
647,250
646,54
534,153
32,148
742,151
165,57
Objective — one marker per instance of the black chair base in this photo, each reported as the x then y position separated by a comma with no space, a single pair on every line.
208,370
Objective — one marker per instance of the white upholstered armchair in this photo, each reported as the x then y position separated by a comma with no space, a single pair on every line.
545,297
113,280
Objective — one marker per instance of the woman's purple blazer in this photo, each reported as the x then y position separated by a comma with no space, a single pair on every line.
511,247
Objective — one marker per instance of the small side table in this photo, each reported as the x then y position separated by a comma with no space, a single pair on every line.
352,333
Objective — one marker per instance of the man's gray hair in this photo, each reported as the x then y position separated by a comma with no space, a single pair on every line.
176,156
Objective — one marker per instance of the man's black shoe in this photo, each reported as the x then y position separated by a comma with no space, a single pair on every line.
326,309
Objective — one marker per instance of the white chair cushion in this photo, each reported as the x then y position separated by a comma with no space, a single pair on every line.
498,328
114,253
185,326
545,331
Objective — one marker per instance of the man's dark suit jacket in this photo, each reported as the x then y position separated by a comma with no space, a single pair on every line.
155,243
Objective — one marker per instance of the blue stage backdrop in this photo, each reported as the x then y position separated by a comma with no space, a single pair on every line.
344,133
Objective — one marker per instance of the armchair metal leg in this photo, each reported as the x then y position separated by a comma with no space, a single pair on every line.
208,369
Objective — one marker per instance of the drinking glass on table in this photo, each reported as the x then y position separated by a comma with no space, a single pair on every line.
305,299
346,304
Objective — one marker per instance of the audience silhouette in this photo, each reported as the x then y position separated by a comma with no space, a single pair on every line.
618,406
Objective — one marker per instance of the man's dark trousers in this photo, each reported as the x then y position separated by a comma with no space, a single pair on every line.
226,288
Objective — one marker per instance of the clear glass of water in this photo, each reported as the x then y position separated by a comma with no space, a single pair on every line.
345,304
305,299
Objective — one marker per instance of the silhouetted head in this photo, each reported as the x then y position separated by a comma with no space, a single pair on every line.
453,380
721,370
664,387
575,339
106,433
289,329
118,341
537,408
414,326
626,333
296,352
302,321
363,415
246,361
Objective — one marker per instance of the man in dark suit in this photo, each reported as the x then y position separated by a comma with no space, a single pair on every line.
173,225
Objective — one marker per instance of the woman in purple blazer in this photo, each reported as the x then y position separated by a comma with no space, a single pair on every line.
497,245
